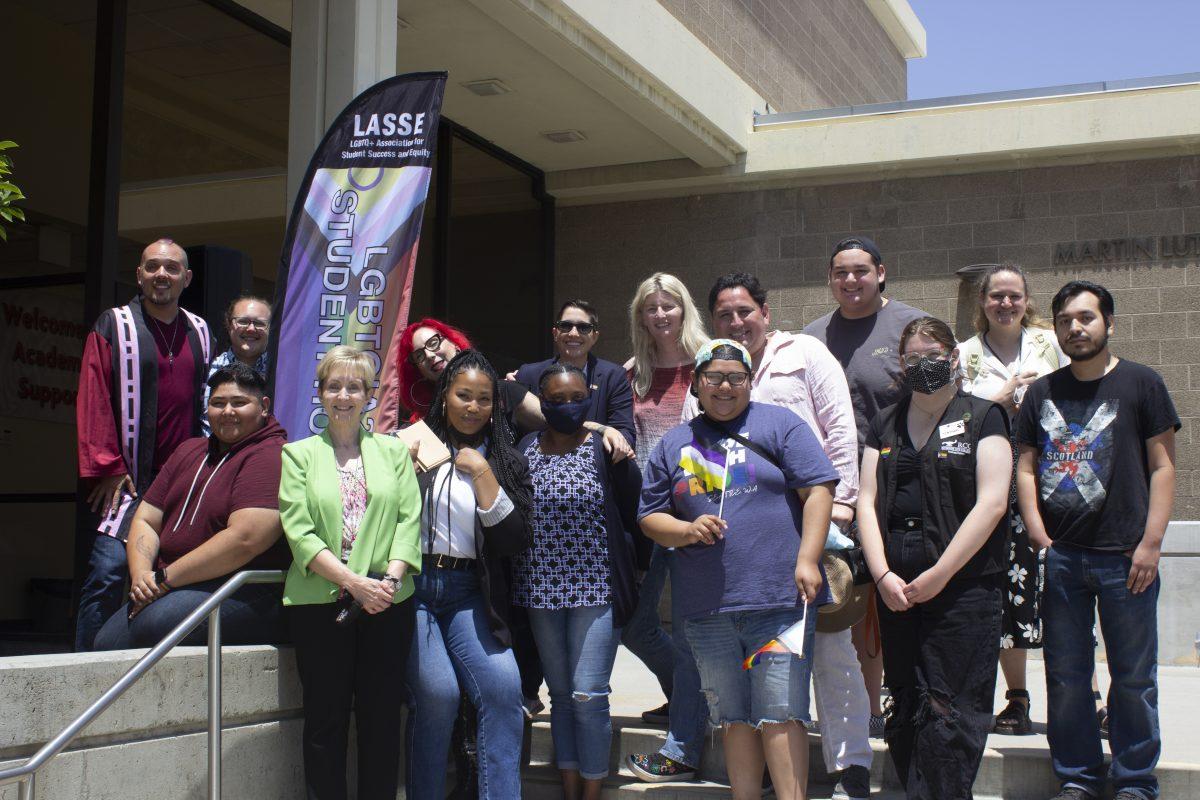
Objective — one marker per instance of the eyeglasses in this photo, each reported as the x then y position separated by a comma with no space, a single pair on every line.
912,359
565,326
715,379
251,322
431,346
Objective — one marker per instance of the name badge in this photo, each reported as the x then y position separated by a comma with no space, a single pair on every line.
952,429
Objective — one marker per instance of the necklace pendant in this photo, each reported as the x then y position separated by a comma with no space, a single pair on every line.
170,358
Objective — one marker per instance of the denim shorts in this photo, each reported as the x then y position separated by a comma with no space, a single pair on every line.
775,689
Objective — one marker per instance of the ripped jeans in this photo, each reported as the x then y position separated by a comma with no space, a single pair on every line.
939,661
578,647
773,690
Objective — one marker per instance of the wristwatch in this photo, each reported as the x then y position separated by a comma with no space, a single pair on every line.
160,578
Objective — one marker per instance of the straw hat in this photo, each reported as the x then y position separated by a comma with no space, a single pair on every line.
849,601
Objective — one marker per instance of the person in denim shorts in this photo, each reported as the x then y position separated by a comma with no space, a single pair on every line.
744,494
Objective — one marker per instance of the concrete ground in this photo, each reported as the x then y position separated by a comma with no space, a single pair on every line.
635,690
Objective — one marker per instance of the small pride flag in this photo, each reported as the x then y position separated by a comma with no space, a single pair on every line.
707,462
790,641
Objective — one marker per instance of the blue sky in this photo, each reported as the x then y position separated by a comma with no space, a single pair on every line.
990,45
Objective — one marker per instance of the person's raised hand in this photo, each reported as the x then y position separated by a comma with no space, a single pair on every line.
616,445
470,462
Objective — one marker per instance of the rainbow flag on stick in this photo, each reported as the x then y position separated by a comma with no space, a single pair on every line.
790,641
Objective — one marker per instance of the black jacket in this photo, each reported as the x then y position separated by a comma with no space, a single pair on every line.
494,545
628,548
612,396
947,480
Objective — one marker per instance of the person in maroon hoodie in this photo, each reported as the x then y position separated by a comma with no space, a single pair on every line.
212,511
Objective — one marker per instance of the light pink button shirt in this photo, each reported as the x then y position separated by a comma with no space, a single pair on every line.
798,372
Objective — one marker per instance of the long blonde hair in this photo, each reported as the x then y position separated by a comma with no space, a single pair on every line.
692,335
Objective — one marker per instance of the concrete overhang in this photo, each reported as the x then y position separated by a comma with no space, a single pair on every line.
900,23
968,138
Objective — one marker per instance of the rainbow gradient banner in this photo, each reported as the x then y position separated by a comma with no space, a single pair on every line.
346,272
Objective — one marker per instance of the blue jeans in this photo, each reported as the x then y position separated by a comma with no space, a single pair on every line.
689,712
1077,581
454,652
578,647
103,589
643,634
252,615
775,689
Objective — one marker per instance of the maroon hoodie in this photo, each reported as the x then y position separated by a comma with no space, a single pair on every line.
199,487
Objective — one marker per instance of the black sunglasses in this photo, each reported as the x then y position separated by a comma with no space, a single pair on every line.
565,326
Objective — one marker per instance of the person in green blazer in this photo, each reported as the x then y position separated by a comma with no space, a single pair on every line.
350,509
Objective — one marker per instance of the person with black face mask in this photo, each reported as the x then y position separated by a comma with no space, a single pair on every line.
578,581
932,517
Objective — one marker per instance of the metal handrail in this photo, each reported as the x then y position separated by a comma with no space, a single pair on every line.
26,773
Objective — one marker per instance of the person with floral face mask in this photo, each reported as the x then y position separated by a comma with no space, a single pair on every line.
933,521
578,580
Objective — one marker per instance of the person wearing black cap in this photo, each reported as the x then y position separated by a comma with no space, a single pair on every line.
863,333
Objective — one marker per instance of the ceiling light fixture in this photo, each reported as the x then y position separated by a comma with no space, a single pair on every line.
489,87
564,137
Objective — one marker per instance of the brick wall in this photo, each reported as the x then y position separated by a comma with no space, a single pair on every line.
800,54
927,228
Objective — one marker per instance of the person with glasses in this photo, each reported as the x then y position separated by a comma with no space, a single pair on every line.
933,519
247,323
744,493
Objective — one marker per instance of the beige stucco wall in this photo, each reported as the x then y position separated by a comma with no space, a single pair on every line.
927,228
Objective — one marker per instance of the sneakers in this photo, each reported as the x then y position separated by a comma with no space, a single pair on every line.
1129,794
1014,719
854,784
876,726
1102,718
1073,793
657,768
658,716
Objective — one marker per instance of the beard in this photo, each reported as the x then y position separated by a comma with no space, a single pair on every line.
1086,350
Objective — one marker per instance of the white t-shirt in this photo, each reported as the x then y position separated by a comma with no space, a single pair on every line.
983,372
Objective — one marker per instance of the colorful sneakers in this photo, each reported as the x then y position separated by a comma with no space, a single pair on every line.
657,768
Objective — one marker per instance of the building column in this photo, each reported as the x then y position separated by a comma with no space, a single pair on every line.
339,48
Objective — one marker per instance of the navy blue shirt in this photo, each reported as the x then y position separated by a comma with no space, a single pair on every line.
753,567
612,396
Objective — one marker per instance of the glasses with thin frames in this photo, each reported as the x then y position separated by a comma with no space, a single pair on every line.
431,346
714,379
251,322
565,326
912,359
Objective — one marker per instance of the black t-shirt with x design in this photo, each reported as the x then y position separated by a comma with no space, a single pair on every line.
1090,438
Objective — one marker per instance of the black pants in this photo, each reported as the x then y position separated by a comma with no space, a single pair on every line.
939,660
360,667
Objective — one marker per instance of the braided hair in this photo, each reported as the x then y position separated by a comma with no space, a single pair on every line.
560,368
506,462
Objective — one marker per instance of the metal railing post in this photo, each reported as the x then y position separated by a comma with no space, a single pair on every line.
214,704
25,774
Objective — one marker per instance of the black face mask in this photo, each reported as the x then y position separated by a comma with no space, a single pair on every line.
928,375
566,417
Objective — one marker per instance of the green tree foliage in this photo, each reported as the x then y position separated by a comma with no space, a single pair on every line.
9,192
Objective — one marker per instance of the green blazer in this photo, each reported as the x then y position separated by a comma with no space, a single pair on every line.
310,506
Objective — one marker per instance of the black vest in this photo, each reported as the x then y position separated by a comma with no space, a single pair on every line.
947,480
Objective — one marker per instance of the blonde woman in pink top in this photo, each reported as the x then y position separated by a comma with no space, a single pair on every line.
667,331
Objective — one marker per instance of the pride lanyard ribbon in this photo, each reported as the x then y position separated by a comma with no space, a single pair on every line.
790,641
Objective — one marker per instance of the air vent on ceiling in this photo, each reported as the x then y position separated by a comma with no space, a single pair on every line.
564,137
486,88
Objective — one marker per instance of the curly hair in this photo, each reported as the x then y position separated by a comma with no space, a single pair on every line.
503,454
416,392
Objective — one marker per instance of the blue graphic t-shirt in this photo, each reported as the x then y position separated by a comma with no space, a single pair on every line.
753,567
1090,437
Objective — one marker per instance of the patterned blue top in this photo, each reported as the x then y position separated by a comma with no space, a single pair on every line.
568,565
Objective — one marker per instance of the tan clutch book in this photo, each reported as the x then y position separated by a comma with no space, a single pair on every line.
431,452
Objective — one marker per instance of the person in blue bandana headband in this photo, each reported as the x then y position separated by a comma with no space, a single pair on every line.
744,493
578,582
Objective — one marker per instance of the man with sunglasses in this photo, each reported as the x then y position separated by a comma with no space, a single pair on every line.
247,322
575,334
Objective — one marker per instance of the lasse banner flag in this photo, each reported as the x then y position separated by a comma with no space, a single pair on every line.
346,272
